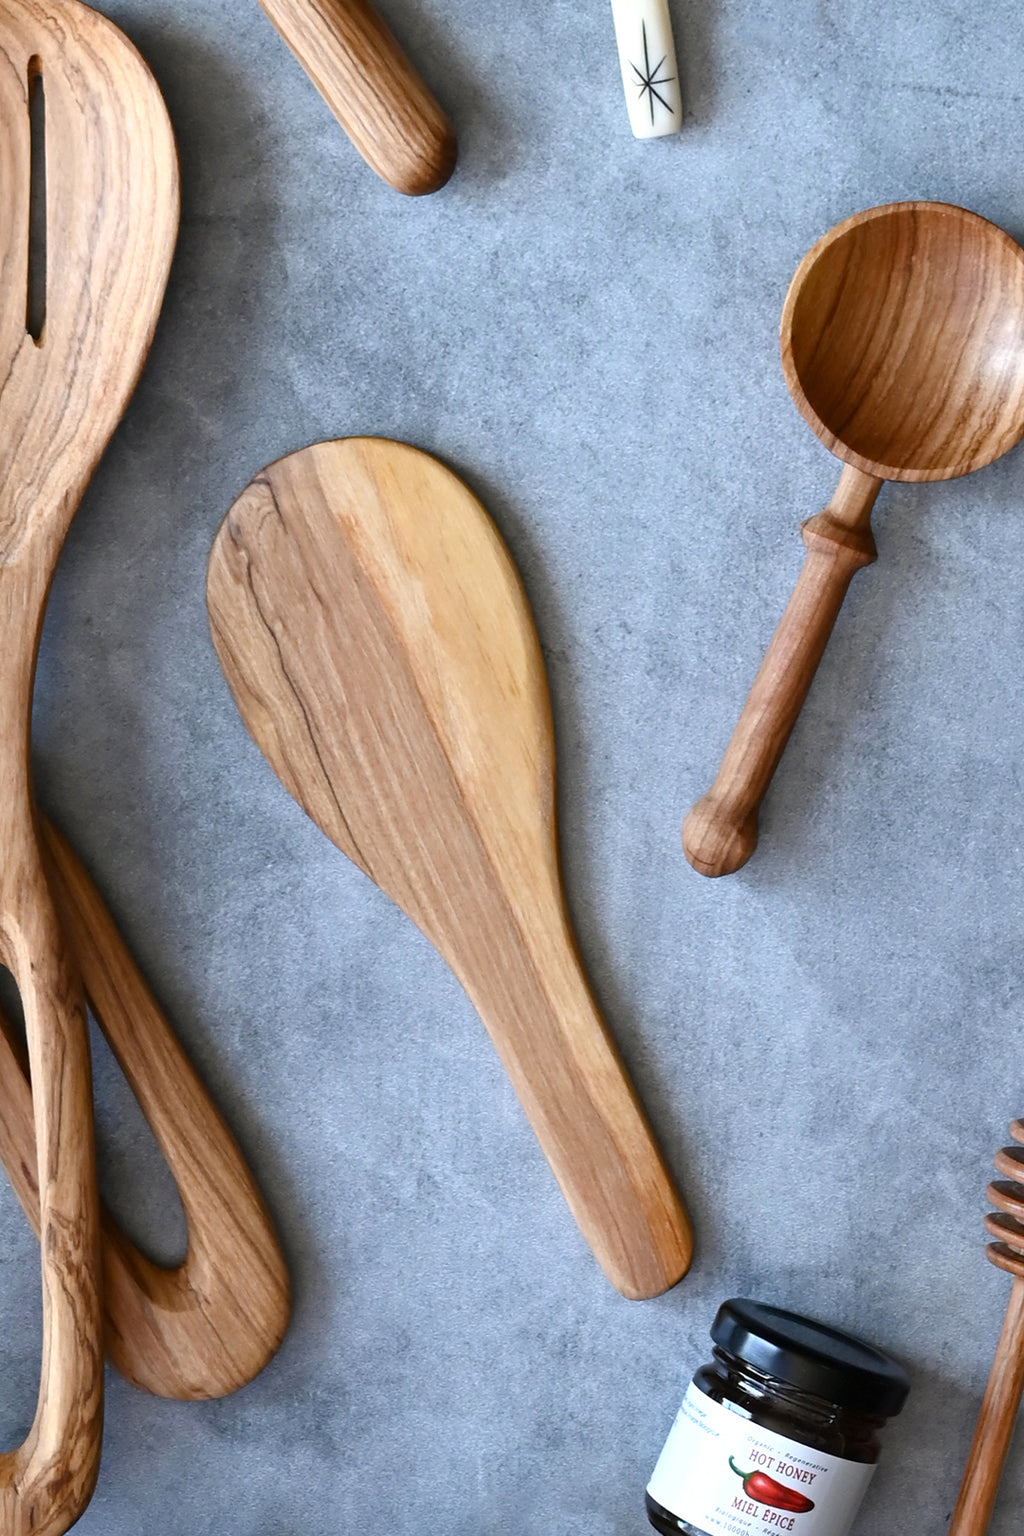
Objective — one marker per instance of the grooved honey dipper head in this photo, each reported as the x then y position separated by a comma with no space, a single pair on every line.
1007,1194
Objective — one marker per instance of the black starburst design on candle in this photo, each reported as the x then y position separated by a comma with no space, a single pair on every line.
650,78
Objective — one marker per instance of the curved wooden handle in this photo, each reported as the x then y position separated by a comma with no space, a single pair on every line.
46,1483
720,833
372,89
995,1425
208,1326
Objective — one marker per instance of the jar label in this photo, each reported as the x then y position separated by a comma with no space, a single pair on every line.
729,1477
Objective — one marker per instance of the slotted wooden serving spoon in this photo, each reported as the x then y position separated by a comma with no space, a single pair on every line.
380,648
111,200
208,1325
903,347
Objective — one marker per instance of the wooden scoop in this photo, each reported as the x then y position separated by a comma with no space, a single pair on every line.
903,346
998,1415
379,645
378,98
208,1325
111,212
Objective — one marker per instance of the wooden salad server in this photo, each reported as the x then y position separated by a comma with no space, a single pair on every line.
356,64
1006,1379
903,347
379,645
110,219
210,1324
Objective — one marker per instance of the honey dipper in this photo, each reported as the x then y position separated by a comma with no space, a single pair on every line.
1006,1379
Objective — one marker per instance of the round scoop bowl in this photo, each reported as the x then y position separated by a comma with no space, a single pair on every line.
903,346
903,341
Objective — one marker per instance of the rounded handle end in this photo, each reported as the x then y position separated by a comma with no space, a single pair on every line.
714,845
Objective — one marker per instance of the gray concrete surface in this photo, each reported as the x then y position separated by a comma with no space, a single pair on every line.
830,1041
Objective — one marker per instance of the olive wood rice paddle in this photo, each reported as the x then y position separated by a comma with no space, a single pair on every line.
903,347
206,1326
1006,1379
379,645
111,214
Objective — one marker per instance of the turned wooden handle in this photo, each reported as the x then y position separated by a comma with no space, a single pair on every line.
209,1325
720,833
378,98
995,1425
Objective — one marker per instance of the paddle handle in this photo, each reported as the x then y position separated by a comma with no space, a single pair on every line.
375,93
209,1325
720,832
995,1425
531,991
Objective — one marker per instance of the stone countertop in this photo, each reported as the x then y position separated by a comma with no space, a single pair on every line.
585,328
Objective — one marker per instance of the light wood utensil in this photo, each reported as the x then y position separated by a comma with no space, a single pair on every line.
1006,1379
380,648
378,98
111,213
210,1324
903,347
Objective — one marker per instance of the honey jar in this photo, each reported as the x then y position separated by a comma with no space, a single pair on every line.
778,1433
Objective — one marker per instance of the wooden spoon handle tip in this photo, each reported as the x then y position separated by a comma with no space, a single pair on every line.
375,93
720,832
209,1325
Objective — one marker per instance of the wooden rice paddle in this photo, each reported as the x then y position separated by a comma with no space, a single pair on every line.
210,1324
999,1409
111,213
380,648
378,98
903,347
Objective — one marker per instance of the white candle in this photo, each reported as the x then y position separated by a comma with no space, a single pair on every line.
650,77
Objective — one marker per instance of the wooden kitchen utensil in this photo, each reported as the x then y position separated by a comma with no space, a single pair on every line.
1006,1379
210,1324
111,213
903,346
380,648
378,98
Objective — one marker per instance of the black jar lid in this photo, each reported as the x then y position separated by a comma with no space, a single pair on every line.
811,1356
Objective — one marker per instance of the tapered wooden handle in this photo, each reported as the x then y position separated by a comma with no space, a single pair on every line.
995,1425
372,89
209,1325
46,1483
720,833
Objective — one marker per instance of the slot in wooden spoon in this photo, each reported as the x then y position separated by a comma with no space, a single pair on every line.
210,1324
380,648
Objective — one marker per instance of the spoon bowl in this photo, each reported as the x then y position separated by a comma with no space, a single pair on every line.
903,347
903,341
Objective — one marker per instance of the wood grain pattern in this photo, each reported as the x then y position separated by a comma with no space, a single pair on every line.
903,347
378,98
210,1324
1000,1406
379,645
111,218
